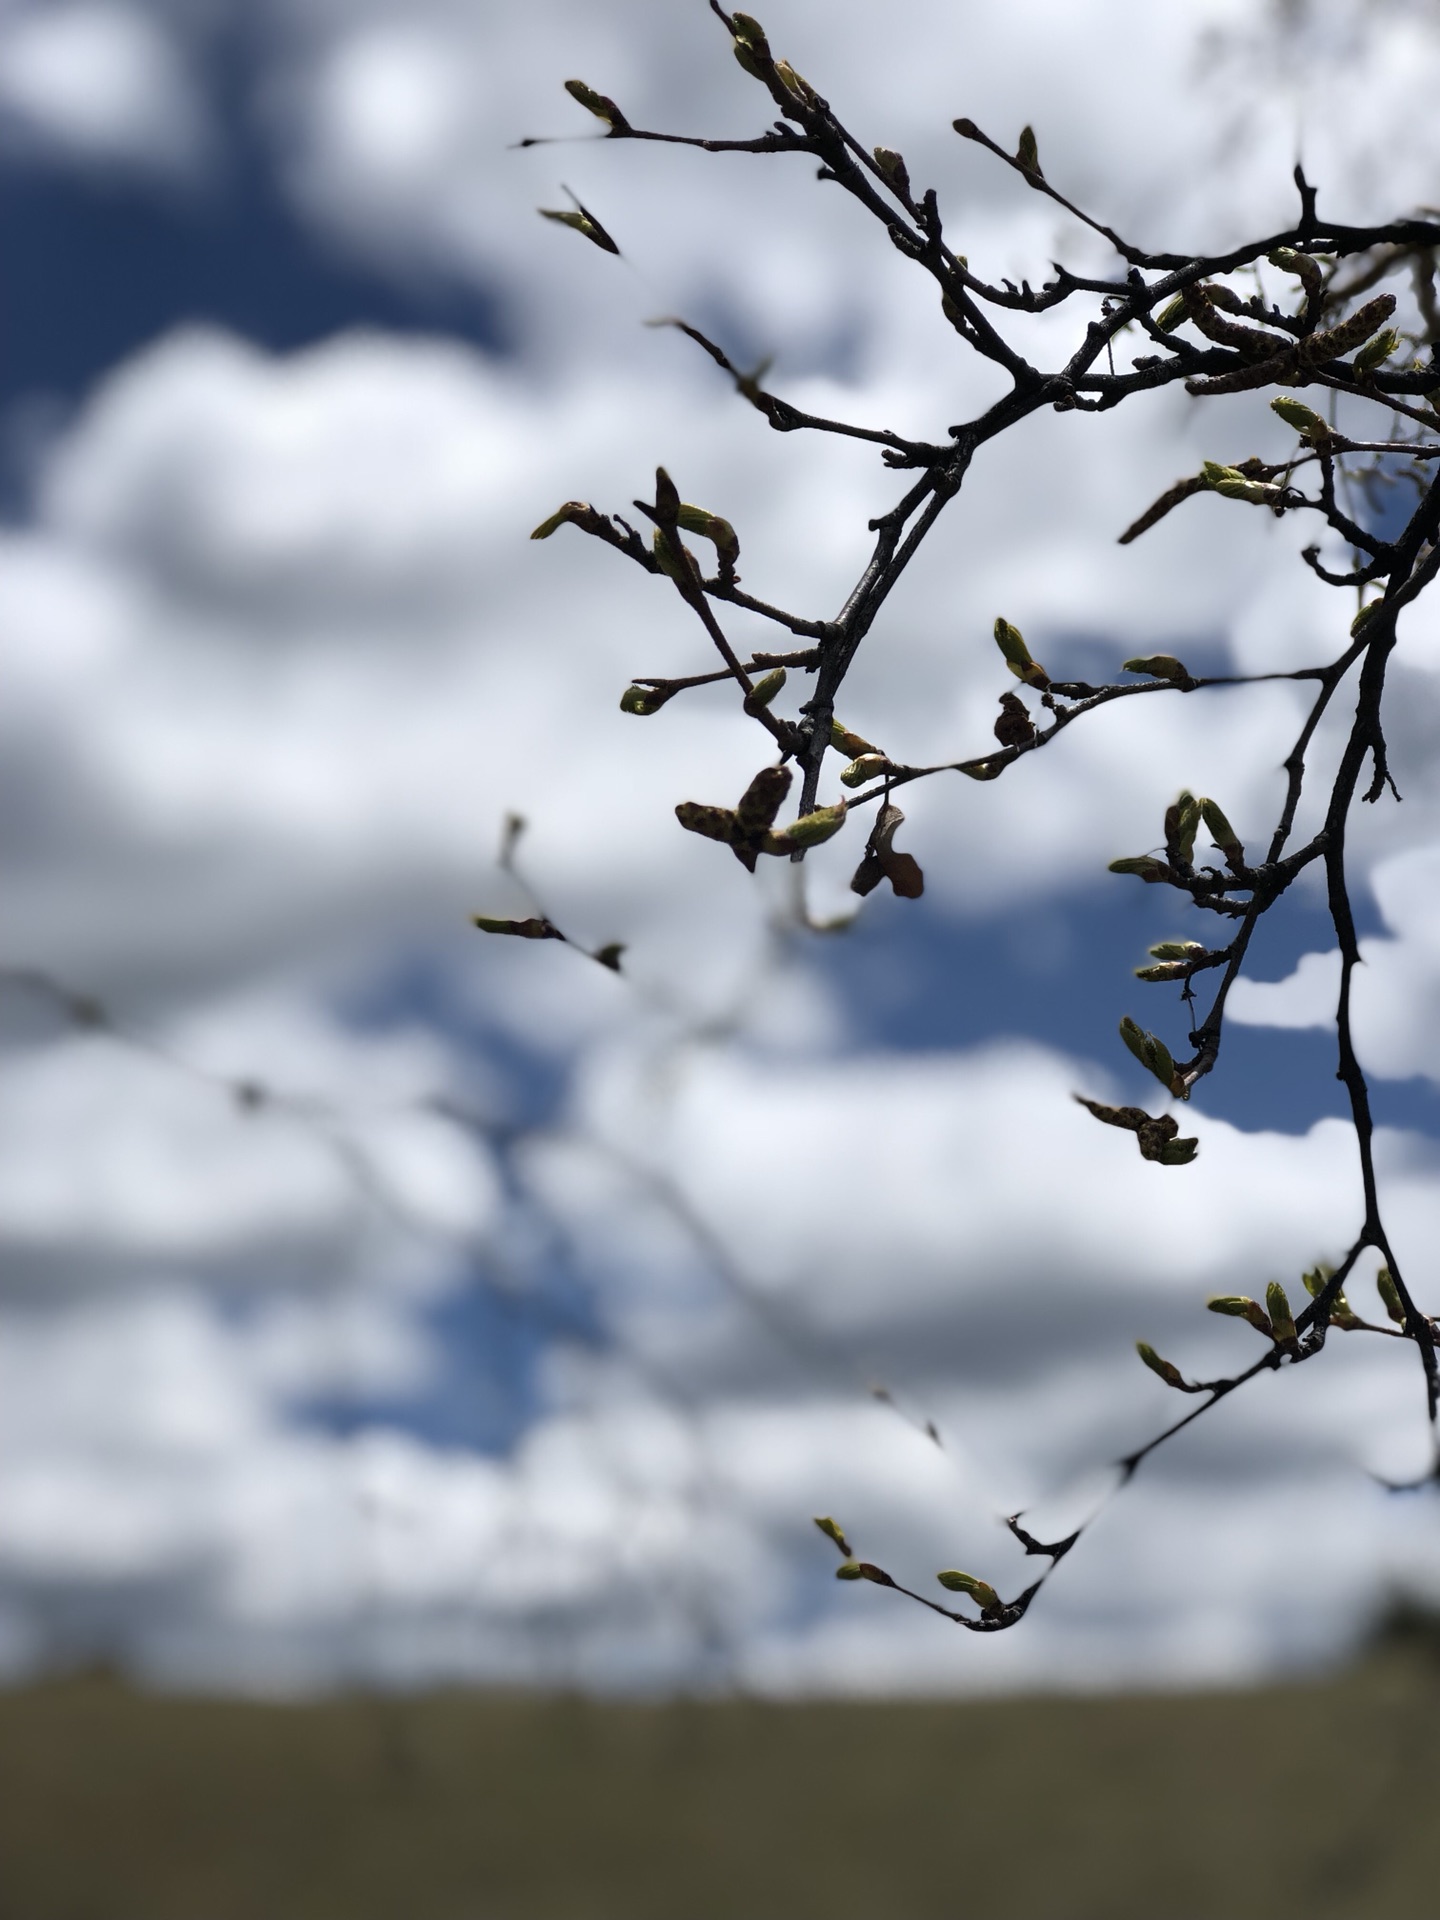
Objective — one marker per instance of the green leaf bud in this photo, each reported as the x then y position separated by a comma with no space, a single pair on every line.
685,569
1390,1294
852,745
1222,833
849,1570
1182,822
1159,666
710,527
1178,950
1011,643
1150,1050
810,830
1163,971
599,104
796,84
1281,1319
1027,153
1170,316
869,1571
980,1591
1144,866
765,689
1170,1374
1304,419
832,1530
1377,351
1305,269
1240,1307
1364,617
869,766
561,517
645,700
533,929
582,222
893,167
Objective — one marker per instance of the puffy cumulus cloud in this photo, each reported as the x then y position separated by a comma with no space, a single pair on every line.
1396,991
101,85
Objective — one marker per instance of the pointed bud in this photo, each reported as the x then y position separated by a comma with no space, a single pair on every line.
980,1591
832,1530
1342,1314
1163,971
533,929
667,498
599,104
869,1571
561,517
1178,950
850,744
796,84
1026,152
610,955
1239,1307
1171,1375
710,527
666,546
1170,316
869,766
810,830
1222,833
1144,866
1389,1293
1306,270
751,48
849,1570
644,700
1150,1050
583,223
894,170
1363,618
1377,351
1159,666
1182,822
1282,1320
1303,419
765,689
1011,643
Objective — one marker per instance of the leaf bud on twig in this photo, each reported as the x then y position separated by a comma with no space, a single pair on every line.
1170,315
980,1591
1168,1372
1390,1294
849,1570
893,167
1377,351
1028,154
583,222
1144,866
810,830
1011,643
710,527
1364,617
1182,822
869,766
852,745
832,1530
1222,833
645,700
1303,419
1151,1051
1160,666
1305,269
1282,1321
1240,1307
765,689
600,104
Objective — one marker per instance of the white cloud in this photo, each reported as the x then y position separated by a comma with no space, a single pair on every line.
100,85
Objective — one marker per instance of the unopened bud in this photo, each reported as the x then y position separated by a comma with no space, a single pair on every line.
1162,971
666,546
582,222
893,167
849,1570
1182,822
765,689
1305,269
1221,832
1170,1374
1170,316
710,527
1390,1294
1150,1050
833,1531
1281,1319
979,1591
1144,866
810,830
852,745
869,766
1160,666
561,517
1178,950
1365,616
599,104
795,83
1240,1307
1377,351
1304,419
1027,153
644,700
1011,643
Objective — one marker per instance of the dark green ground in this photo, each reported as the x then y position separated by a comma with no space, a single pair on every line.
1315,1800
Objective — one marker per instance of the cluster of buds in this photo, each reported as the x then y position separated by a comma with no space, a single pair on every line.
1274,1319
1155,1134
